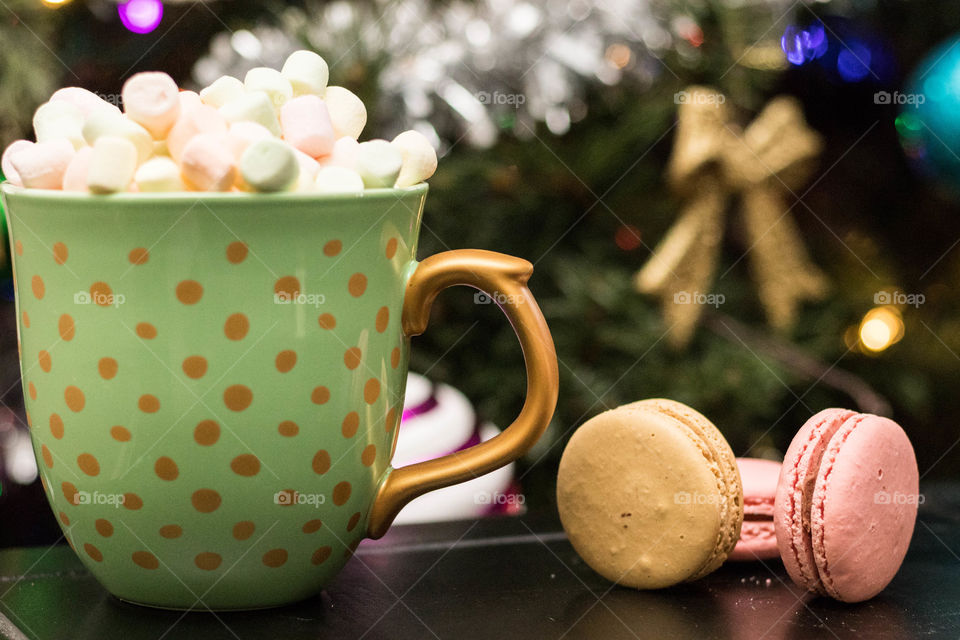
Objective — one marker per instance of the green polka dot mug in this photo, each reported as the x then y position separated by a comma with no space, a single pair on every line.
214,383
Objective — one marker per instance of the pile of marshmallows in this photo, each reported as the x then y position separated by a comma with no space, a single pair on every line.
275,131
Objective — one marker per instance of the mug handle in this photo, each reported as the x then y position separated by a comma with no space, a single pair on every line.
504,279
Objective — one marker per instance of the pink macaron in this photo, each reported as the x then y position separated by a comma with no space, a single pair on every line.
846,504
758,540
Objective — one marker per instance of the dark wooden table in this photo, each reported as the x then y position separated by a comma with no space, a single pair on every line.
507,578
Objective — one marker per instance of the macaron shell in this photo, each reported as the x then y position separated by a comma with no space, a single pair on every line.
798,475
864,507
757,536
620,493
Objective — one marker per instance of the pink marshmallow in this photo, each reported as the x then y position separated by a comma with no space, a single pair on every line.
244,133
75,177
86,101
344,154
306,125
151,99
189,100
207,164
194,120
7,166
42,165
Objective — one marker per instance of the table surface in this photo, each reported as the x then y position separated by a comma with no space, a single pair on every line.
507,577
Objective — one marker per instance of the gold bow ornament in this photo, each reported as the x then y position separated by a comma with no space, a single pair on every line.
712,160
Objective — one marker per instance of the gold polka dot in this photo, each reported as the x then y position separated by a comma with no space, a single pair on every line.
120,434
75,398
391,419
371,390
69,492
354,520
47,456
93,552
236,326
320,555
275,558
327,321
395,357
104,527
60,252
32,390
107,368
146,330
383,319
243,530
311,526
101,294
171,531
285,360
132,501
145,559
391,248
341,493
64,519
88,464
237,397
320,395
369,455
26,320
245,464
56,426
205,500
66,327
287,288
350,424
36,283
138,256
195,366
19,247
44,359
352,358
208,561
148,403
357,285
237,252
288,428
206,433
189,291
332,248
166,468
321,462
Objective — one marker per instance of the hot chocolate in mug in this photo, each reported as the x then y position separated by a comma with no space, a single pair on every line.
214,383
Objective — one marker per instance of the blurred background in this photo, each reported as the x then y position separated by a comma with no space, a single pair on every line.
556,121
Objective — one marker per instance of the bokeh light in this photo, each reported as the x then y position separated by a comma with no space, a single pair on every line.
803,45
141,16
881,328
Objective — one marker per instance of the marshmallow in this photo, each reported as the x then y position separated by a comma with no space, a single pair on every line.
308,171
207,164
269,165
42,165
194,120
378,163
7,166
338,180
86,101
306,125
343,154
112,165
159,174
347,112
160,148
271,82
152,100
189,100
75,177
59,119
307,73
419,158
221,91
108,123
253,107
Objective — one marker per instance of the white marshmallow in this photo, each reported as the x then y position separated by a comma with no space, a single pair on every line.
159,174
59,119
9,172
75,177
221,91
419,158
108,123
253,107
271,82
347,112
87,101
308,171
243,134
269,165
338,180
42,165
307,73
112,165
378,163
344,154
